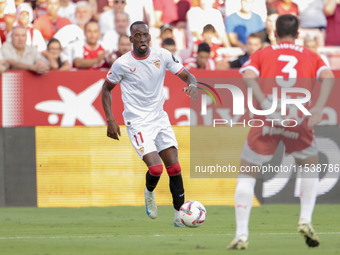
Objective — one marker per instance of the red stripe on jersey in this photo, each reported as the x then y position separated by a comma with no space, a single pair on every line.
179,71
111,82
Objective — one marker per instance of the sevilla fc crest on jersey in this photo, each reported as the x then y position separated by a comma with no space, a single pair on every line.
157,63
141,150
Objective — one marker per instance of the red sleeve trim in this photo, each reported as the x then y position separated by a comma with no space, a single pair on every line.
111,82
253,68
180,71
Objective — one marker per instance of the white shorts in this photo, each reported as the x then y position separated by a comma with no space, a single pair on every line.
155,136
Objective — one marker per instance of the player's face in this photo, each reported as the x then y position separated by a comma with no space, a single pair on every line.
124,45
24,18
253,44
92,33
171,48
312,45
119,5
246,5
202,58
140,39
121,23
83,15
54,48
52,7
19,37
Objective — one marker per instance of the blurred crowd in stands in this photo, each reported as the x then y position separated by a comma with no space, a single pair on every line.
43,35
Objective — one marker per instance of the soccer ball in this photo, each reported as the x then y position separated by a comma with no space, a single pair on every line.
192,214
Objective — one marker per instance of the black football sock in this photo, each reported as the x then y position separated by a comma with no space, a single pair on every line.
151,181
177,191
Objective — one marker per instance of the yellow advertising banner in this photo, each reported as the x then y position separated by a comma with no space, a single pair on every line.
80,166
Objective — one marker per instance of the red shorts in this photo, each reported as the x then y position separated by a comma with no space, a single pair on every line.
262,142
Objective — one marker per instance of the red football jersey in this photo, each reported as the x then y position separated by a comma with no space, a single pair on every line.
285,60
283,66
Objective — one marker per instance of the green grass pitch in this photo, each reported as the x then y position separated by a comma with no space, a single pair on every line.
128,230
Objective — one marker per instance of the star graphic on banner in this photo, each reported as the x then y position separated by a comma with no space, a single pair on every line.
74,106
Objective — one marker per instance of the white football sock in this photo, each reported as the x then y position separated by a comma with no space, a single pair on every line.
177,218
244,195
308,193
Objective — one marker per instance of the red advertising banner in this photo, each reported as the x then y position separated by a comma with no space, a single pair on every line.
73,98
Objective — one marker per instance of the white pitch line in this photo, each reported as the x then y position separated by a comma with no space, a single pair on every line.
65,237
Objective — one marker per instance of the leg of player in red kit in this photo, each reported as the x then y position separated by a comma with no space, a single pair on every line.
308,193
170,159
244,195
256,150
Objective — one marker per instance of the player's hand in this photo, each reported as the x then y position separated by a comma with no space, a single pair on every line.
191,91
315,118
113,130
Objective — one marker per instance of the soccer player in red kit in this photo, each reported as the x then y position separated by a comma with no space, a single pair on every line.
283,65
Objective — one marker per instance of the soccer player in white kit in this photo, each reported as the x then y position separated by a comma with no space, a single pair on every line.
141,74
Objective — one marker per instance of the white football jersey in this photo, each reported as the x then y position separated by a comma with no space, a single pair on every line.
141,81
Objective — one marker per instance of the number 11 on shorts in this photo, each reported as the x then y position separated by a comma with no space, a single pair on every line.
140,136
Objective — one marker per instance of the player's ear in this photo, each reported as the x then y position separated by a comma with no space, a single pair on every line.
297,35
275,33
130,37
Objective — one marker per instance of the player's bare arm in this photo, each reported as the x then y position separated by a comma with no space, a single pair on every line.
327,81
113,130
191,81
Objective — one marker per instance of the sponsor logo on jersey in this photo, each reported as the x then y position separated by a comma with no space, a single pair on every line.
109,73
157,63
141,150
133,70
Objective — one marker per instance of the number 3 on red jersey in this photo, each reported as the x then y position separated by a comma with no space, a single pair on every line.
289,69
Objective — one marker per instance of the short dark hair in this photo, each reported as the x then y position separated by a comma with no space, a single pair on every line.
203,47
287,25
137,23
209,28
168,41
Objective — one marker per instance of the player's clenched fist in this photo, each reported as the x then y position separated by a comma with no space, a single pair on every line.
113,130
